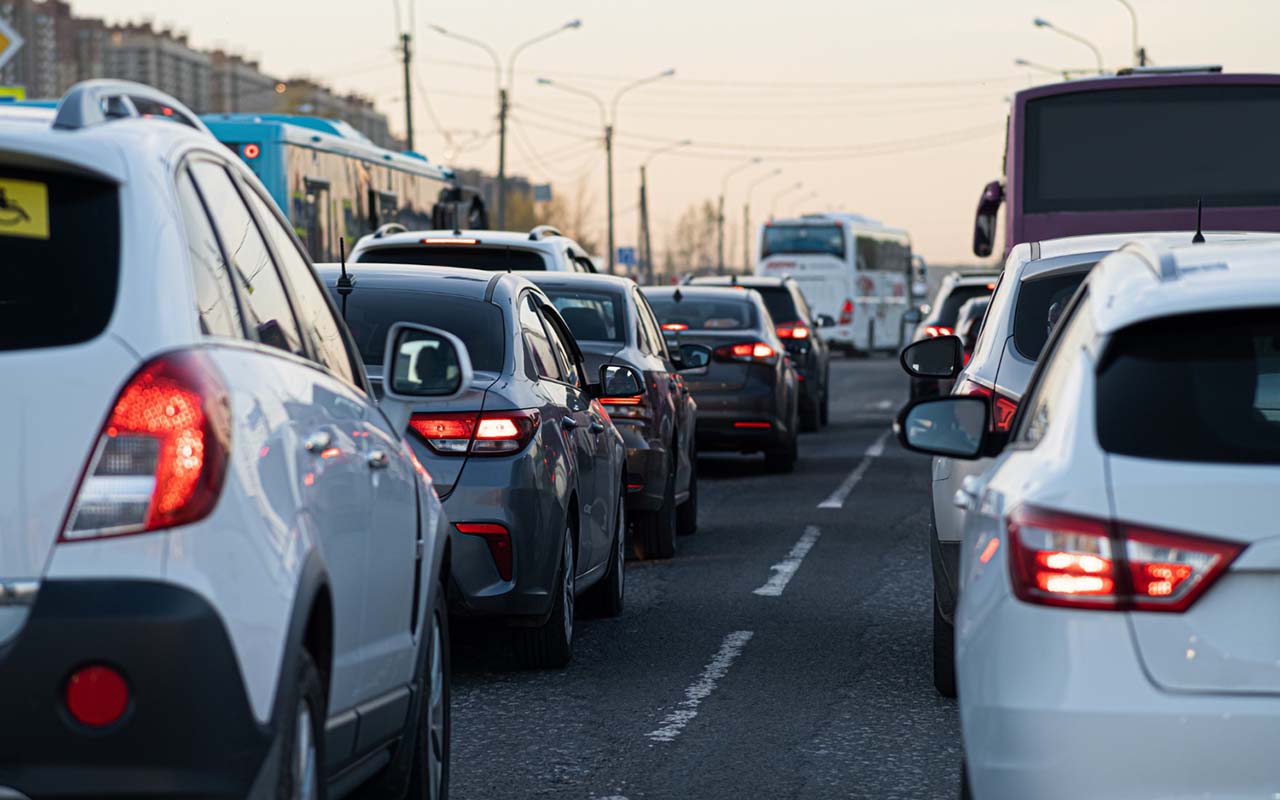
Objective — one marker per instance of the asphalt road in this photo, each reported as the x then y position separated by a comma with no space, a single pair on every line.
783,653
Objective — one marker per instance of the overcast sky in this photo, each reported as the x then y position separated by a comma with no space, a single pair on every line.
890,109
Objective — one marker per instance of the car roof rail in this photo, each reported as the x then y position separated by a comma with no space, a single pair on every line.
1172,70
543,231
388,228
95,102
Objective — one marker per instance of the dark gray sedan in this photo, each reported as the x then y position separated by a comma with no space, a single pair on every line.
529,466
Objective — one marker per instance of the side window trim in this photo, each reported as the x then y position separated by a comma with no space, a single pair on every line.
555,328
1031,398
183,171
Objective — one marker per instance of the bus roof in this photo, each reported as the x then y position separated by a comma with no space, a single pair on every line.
1134,79
317,133
854,221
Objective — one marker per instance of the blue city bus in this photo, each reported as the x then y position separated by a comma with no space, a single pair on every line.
331,181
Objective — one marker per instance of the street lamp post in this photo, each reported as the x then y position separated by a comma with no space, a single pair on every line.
1041,22
724,188
504,97
746,215
1139,52
1022,62
609,117
773,204
646,244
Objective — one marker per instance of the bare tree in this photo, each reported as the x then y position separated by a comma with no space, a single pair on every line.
692,247
572,215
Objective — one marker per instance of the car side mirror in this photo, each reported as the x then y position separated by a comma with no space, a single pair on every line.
824,321
619,380
984,224
421,364
938,358
954,426
693,356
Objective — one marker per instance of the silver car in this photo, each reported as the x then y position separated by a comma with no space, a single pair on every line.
527,462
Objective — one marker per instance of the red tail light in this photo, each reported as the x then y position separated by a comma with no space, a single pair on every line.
1062,559
499,540
933,331
626,407
1002,408
793,330
846,312
161,458
746,351
675,326
490,433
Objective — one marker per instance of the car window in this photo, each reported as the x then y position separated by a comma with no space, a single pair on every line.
1041,301
371,311
781,305
802,307
949,308
541,357
312,306
215,299
649,324
468,256
1217,377
563,351
266,304
592,316
704,313
1053,386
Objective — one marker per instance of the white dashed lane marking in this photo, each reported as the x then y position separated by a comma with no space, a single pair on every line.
674,723
786,568
837,498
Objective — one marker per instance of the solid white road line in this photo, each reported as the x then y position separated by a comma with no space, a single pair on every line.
784,569
674,723
837,498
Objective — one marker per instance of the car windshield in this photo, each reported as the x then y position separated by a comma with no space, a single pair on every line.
1041,300
800,239
60,247
1217,380
372,311
704,313
591,316
467,256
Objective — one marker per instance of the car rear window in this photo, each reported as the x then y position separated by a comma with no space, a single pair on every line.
958,296
704,314
371,312
591,316
467,256
1041,300
782,307
1203,387
60,247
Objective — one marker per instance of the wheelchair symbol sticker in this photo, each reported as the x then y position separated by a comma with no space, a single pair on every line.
24,209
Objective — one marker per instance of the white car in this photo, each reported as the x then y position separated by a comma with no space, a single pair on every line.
543,249
1120,570
221,570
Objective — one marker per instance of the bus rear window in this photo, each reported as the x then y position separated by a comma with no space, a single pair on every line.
60,246
1201,387
801,239
494,259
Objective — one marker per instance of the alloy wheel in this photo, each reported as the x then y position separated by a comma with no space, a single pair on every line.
304,761
436,733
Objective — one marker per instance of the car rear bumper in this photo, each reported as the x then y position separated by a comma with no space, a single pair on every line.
189,730
648,464
1055,704
725,432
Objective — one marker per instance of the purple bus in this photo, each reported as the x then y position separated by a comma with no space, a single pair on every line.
1137,152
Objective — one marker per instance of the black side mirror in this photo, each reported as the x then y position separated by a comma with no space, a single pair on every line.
619,380
825,321
954,426
984,225
939,358
693,356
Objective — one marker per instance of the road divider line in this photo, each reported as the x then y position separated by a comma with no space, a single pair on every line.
875,450
674,723
786,568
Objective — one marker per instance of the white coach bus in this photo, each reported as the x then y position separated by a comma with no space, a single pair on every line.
855,269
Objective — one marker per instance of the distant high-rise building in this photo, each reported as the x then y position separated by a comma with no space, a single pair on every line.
238,86
162,59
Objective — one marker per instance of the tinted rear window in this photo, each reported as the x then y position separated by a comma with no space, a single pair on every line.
947,313
780,304
591,316
705,314
370,312
1040,302
457,255
60,251
1202,387
822,239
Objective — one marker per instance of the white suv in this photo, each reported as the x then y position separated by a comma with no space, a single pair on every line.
1120,569
542,249
220,567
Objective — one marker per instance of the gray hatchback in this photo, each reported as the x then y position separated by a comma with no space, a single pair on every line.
528,464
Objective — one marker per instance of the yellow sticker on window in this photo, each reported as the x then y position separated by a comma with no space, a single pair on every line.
24,209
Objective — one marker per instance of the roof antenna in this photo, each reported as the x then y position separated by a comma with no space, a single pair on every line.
1199,237
677,296
346,284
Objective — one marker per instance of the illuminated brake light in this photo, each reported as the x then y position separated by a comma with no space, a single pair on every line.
793,330
675,326
761,425
160,460
493,433
633,407
449,240
746,351
1068,560
498,538
934,331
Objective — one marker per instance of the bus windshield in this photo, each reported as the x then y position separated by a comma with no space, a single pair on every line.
820,239
1154,148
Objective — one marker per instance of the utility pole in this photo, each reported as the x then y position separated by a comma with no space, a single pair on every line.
724,188
646,256
408,93
502,159
608,160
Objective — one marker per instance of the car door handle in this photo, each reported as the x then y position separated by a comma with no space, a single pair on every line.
378,459
317,442
568,423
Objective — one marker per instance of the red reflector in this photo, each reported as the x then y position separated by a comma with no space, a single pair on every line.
97,696
753,425
634,487
251,151
675,326
449,240
499,540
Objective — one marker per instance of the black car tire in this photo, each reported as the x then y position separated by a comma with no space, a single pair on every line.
307,693
687,513
783,460
605,599
944,653
810,416
550,645
965,792
654,532
825,413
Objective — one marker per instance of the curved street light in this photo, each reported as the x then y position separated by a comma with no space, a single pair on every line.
724,189
746,214
1041,22
646,243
